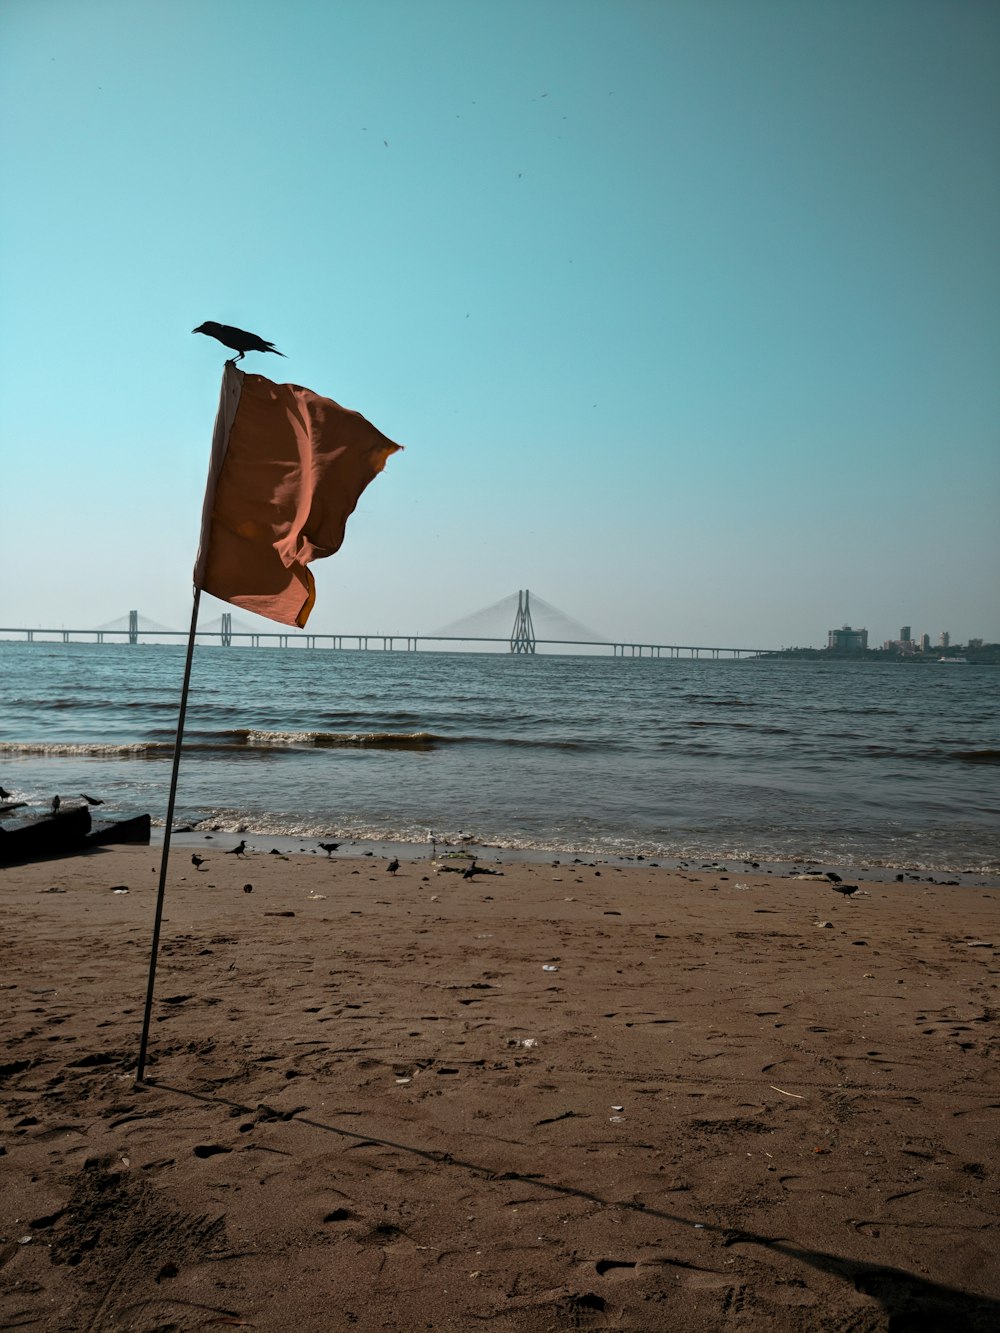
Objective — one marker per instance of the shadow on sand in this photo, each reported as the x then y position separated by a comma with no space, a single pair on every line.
912,1304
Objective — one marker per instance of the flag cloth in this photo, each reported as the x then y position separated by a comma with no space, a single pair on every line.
286,473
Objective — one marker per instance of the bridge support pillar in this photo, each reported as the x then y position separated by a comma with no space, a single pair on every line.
522,639
226,633
133,627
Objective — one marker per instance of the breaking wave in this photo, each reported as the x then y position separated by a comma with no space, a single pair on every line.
334,740
250,739
128,750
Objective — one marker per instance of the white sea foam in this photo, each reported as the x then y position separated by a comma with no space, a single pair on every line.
62,748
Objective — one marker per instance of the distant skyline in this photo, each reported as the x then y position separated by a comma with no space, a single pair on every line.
687,314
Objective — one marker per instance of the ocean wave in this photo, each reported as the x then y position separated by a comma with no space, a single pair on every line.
933,753
318,740
248,740
128,749
257,738
712,702
82,702
728,726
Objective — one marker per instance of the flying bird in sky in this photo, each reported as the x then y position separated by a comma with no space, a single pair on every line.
238,339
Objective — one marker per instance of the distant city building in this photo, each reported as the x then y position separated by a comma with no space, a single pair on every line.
945,639
905,634
925,643
847,640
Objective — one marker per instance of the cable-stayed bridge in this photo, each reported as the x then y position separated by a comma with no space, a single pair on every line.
519,623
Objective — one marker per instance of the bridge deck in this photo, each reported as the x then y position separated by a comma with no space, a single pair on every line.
367,642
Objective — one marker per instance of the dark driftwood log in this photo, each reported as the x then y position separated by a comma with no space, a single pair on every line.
125,830
67,832
49,835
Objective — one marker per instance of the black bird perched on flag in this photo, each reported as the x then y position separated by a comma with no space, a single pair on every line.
238,339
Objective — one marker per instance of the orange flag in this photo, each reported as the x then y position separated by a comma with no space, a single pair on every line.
286,473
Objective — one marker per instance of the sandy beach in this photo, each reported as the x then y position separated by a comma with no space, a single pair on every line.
564,1096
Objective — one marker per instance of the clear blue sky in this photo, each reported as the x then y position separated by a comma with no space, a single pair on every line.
687,312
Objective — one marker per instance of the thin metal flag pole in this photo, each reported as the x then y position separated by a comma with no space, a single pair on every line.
161,892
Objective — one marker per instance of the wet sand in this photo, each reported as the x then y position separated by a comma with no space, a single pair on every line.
571,1096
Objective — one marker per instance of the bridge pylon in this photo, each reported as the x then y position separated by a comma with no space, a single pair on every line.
226,632
522,639
133,627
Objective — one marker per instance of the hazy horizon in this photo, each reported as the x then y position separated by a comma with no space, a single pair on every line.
687,314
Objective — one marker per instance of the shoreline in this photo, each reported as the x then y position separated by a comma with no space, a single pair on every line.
261,843
562,1096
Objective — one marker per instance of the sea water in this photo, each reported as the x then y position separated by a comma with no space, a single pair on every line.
875,764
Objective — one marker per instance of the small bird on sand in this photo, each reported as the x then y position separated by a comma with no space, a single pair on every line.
237,851
393,866
91,800
848,890
55,805
238,339
329,847
474,869
197,861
